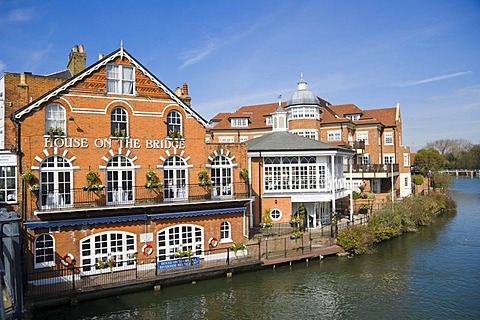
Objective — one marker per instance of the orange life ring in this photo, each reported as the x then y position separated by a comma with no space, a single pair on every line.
68,259
213,242
147,249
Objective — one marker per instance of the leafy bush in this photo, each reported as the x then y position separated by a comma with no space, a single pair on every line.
356,239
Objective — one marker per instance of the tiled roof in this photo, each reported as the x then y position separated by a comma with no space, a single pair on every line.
386,115
256,115
286,141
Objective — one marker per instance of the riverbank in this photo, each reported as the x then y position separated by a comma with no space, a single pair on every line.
392,221
267,253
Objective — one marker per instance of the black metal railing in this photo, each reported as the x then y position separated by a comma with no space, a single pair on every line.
73,278
80,198
375,168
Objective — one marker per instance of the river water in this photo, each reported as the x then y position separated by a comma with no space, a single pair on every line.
431,274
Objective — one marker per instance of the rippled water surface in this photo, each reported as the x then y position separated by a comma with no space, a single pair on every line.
432,274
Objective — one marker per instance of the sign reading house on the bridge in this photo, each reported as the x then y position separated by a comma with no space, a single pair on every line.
178,263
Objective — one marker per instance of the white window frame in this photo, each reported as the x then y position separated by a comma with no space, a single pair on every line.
334,135
276,214
56,183
119,121
362,136
239,122
389,158
116,79
298,173
388,138
303,112
310,134
179,237
406,160
50,262
8,183
175,179
55,118
353,117
222,176
120,180
226,139
364,159
120,246
225,232
174,123
268,120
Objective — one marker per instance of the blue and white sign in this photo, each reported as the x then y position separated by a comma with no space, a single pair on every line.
178,263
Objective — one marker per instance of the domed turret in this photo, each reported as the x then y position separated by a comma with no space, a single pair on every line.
302,96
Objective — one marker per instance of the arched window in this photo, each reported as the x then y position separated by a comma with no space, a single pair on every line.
275,214
225,232
55,120
44,251
120,180
174,124
99,249
119,123
222,176
56,182
179,238
175,178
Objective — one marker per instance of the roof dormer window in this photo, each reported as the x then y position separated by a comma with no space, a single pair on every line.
353,117
269,120
239,122
120,79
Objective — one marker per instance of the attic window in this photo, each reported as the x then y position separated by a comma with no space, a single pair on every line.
120,79
269,120
353,117
239,122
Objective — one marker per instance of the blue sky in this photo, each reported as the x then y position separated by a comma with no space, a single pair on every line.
424,55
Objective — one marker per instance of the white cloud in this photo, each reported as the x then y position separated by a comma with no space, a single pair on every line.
38,57
431,79
2,65
198,54
18,15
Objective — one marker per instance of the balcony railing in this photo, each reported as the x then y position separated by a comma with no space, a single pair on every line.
136,196
374,168
360,144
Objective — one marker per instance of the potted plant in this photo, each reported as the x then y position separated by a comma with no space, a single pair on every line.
153,181
119,133
35,189
55,132
244,174
363,208
175,134
28,177
238,246
203,179
93,181
188,253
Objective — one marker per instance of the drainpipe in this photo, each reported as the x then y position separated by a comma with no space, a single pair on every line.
351,189
332,157
250,192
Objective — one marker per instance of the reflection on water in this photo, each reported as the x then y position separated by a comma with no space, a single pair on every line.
432,274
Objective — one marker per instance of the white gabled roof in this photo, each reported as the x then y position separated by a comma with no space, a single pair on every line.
34,105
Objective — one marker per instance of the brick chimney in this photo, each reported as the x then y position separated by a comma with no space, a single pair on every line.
185,97
77,59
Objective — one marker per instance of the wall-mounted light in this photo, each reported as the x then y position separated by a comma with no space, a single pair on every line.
71,118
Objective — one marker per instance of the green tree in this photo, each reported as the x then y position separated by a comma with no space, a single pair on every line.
429,160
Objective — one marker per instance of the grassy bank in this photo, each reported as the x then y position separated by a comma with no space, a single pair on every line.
393,220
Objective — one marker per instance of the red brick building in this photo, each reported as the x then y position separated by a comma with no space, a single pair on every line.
374,134
115,164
